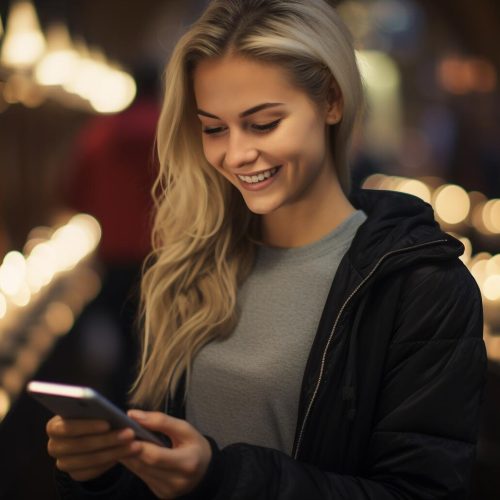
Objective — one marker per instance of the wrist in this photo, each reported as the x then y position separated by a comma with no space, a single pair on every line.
108,477
208,485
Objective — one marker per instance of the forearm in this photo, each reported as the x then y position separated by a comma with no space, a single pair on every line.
247,472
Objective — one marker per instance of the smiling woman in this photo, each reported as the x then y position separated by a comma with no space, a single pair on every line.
304,342
277,154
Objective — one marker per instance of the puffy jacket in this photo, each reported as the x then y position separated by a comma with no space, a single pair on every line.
390,398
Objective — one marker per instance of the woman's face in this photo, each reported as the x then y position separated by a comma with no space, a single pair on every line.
265,135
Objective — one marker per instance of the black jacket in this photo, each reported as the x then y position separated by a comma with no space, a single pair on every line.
391,392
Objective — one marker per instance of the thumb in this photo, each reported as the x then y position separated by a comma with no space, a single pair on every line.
176,429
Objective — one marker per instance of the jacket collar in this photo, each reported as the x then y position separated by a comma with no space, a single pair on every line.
396,224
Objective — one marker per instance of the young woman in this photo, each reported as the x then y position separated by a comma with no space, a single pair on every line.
300,341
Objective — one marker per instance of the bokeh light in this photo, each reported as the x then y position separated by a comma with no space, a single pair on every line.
22,297
27,361
491,216
56,67
12,380
382,81
24,42
4,403
23,279
108,89
12,273
491,287
60,60
42,263
460,76
416,188
467,255
59,318
3,306
452,204
117,90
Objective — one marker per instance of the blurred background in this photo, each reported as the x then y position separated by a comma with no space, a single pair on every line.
79,96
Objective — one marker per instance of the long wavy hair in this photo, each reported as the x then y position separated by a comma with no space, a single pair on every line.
204,236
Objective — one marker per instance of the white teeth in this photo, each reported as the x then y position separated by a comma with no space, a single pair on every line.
259,177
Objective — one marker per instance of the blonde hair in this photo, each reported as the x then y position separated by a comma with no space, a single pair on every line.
204,237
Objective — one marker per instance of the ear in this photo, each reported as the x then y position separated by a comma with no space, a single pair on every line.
335,104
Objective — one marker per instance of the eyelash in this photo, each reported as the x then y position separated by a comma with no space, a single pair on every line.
266,127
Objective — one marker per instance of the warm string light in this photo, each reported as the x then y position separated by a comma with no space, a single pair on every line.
451,203
24,42
455,208
23,277
54,275
58,64
40,66
488,217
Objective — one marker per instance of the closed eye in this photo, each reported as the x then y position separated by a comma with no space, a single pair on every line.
212,130
265,127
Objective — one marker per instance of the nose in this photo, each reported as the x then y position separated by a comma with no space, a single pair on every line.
240,151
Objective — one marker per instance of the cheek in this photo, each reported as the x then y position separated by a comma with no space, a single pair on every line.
302,144
210,150
214,153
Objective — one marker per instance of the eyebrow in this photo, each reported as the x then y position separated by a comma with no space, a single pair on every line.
248,112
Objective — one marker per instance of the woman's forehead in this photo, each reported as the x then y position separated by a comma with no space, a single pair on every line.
235,80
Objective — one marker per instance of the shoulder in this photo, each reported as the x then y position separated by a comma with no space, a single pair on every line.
439,300
449,273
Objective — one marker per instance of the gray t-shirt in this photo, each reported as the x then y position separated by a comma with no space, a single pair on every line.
246,388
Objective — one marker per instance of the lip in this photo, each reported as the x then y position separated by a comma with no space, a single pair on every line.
249,174
261,185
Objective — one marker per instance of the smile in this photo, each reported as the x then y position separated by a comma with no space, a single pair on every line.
261,176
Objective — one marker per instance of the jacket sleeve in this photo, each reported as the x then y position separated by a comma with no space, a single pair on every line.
116,484
423,438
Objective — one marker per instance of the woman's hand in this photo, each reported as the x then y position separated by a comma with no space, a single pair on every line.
85,449
170,472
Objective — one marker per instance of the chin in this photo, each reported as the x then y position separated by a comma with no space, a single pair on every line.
261,208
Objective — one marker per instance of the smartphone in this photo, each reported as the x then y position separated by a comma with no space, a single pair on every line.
73,401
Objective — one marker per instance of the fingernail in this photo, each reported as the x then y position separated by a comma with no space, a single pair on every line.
135,446
125,434
137,414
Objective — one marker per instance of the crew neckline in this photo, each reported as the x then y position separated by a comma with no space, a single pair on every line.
319,247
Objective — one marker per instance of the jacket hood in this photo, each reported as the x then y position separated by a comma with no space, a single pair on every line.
396,224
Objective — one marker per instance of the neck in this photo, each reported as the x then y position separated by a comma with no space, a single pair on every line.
307,221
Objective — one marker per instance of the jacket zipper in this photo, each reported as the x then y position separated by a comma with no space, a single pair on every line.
332,333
